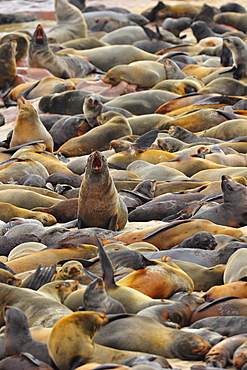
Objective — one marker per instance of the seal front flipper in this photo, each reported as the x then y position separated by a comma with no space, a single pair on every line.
130,258
228,70
65,75
112,224
81,224
143,142
165,227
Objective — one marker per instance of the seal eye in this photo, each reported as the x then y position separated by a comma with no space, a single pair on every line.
229,187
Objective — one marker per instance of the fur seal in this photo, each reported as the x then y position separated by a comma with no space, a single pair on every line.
8,66
178,312
226,213
238,49
83,325
63,211
233,19
93,107
99,204
120,54
180,344
17,336
28,126
26,198
24,361
157,279
8,211
59,290
38,309
144,73
99,137
48,257
236,288
165,237
239,357
226,306
70,25
33,90
225,325
7,277
202,240
220,355
96,299
41,56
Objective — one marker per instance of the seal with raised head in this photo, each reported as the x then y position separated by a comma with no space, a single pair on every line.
232,211
238,49
40,55
77,346
28,126
17,336
99,204
70,25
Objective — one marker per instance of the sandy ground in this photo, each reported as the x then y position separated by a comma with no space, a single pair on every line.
137,6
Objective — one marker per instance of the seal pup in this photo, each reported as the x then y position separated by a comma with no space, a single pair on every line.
70,25
99,204
77,346
96,299
17,336
41,56
93,107
229,213
28,126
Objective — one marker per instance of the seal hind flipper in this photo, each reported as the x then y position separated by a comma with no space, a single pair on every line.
90,274
106,266
130,258
41,277
143,142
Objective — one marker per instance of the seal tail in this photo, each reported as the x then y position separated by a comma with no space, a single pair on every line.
106,266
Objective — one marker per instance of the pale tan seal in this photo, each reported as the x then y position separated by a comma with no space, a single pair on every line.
28,126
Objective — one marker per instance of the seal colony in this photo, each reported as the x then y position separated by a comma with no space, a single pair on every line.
123,188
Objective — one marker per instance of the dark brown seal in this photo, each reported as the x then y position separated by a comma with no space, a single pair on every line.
99,204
